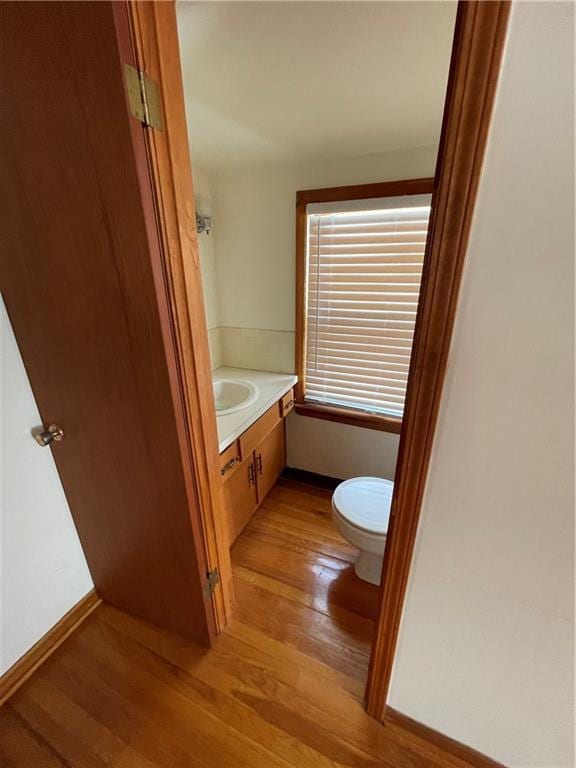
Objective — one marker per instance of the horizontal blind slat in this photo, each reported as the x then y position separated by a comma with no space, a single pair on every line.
363,324
364,270
394,387
356,394
374,260
356,400
324,291
356,359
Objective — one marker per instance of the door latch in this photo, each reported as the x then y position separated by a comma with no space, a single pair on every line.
212,579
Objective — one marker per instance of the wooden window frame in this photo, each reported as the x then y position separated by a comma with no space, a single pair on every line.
341,414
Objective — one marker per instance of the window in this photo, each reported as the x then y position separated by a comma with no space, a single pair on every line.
359,273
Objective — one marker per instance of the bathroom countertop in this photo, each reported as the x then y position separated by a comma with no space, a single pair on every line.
271,386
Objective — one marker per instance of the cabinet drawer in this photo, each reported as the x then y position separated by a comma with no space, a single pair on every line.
229,460
287,403
258,431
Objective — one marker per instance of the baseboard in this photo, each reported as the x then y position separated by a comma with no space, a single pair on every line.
445,743
19,672
311,478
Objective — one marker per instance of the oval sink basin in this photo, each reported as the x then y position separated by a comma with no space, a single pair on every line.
232,395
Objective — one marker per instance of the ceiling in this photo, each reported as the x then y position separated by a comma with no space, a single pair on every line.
274,82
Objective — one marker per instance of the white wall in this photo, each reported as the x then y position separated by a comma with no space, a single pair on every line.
339,450
255,256
204,204
43,572
254,229
203,195
486,644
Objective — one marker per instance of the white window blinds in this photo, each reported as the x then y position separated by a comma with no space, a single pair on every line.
364,266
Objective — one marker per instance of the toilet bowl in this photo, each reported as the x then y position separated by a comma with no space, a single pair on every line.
361,510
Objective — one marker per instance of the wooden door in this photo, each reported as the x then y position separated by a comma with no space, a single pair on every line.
240,497
83,281
270,460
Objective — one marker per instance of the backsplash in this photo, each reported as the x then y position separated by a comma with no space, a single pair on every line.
254,348
215,344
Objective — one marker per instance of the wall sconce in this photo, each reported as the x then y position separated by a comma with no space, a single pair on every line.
203,215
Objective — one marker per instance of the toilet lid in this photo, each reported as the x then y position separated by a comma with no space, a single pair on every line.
365,502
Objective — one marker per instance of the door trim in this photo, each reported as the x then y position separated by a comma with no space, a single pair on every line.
479,37
156,47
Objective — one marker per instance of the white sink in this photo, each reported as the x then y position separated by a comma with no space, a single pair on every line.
231,395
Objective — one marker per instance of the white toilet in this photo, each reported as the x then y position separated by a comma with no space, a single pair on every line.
361,510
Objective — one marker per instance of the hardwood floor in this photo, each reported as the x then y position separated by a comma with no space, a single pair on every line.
281,688
294,580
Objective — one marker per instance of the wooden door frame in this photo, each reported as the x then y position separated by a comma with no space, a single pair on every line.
476,55
156,51
479,37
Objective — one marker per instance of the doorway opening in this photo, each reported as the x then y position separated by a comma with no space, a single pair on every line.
264,533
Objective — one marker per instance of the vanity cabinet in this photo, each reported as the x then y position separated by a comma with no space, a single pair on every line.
252,464
270,458
240,497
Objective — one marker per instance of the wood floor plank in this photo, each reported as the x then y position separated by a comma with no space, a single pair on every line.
20,745
288,695
309,513
282,686
288,663
311,572
275,731
132,759
293,539
329,581
244,656
263,581
222,728
294,533
118,708
67,728
342,642
197,737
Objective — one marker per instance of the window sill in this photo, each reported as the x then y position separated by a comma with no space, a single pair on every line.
349,416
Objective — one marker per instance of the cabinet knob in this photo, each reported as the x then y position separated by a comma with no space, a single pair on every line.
259,463
251,475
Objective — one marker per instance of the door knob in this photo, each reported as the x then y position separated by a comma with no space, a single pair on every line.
53,433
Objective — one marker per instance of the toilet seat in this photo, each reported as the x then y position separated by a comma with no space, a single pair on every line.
364,503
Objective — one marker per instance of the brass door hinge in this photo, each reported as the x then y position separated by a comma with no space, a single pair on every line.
143,97
212,578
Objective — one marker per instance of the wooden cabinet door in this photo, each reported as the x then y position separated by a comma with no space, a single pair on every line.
240,497
270,460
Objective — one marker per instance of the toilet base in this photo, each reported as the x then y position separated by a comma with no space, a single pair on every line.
368,567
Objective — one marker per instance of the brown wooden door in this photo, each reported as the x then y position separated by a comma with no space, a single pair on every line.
240,497
270,460
84,287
